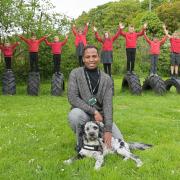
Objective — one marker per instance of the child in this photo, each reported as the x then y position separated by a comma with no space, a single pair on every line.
56,47
175,53
107,49
33,45
7,50
131,40
155,45
80,41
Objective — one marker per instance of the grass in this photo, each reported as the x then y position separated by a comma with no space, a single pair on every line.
36,138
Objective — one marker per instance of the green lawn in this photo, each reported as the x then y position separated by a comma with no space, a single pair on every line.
35,137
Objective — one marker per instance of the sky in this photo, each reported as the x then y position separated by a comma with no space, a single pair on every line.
74,8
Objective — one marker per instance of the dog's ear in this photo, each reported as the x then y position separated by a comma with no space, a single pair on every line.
82,131
101,130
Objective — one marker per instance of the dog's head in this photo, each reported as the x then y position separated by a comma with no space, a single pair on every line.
91,130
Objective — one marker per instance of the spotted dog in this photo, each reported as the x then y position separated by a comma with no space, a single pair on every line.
94,147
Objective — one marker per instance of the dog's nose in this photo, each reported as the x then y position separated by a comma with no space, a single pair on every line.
91,134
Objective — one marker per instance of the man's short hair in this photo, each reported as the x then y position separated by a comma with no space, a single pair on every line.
89,47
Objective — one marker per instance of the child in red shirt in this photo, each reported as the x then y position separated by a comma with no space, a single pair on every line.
175,52
107,49
155,45
80,41
131,40
7,50
33,45
56,47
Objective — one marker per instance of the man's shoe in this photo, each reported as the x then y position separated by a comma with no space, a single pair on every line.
151,75
156,74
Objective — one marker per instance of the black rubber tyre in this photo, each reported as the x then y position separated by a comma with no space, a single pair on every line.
173,82
8,83
33,83
132,82
57,84
155,83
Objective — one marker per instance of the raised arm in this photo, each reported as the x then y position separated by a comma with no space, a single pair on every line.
15,45
116,35
65,41
97,35
47,42
146,38
73,96
121,27
163,40
166,31
24,39
86,28
142,31
74,30
1,46
43,38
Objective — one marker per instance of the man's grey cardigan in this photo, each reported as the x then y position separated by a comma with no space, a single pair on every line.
79,94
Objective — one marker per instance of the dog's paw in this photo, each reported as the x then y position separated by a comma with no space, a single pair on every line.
139,163
68,162
126,158
97,168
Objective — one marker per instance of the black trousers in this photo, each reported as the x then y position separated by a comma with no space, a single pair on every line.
7,62
33,57
131,55
80,61
57,62
107,68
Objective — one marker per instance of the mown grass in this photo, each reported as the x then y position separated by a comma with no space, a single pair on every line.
36,138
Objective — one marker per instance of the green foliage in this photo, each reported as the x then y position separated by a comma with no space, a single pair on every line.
169,13
24,17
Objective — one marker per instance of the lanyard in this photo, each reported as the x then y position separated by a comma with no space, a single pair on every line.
89,82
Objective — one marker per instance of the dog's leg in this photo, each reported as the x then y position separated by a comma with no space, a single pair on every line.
71,160
127,155
99,162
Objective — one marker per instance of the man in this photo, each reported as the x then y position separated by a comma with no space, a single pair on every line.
90,94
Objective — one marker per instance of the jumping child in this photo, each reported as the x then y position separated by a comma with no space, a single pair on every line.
80,41
33,45
131,40
107,49
7,50
155,45
56,47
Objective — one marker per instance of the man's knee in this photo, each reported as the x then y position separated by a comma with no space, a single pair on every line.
78,116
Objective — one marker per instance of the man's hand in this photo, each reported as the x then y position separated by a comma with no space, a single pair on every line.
97,116
107,139
87,23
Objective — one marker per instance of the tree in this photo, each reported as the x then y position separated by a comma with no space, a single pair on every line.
169,13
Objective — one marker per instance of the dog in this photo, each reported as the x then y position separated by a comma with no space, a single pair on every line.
94,147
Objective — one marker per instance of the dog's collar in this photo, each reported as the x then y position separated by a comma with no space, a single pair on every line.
92,147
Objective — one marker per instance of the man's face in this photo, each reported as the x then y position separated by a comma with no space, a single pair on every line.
91,58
